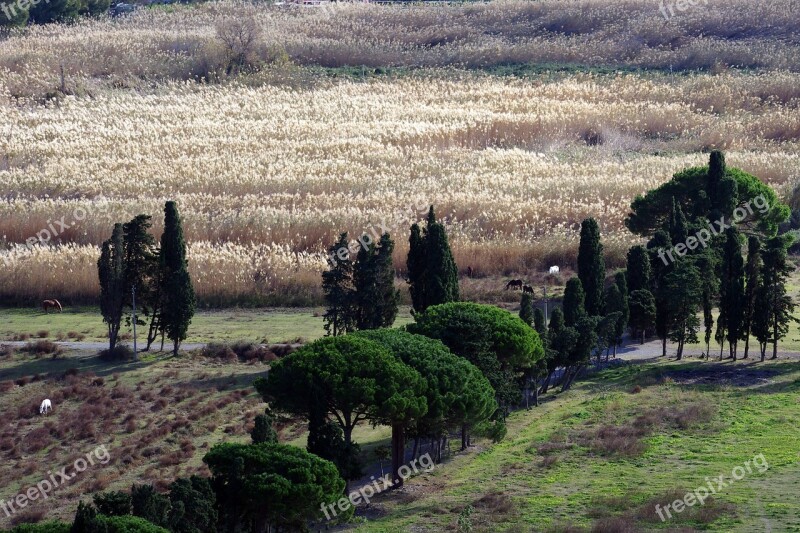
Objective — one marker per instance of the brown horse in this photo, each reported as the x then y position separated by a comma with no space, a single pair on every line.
514,284
528,289
51,304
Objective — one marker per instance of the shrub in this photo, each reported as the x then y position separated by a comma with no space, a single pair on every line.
120,354
113,503
42,347
42,333
31,516
45,527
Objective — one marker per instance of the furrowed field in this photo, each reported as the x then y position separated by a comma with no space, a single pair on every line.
267,176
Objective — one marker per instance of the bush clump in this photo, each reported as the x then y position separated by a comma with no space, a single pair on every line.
42,347
120,353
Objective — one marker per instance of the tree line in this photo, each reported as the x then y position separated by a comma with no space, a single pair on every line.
132,266
728,256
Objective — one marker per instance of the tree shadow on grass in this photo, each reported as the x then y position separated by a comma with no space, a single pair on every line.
50,367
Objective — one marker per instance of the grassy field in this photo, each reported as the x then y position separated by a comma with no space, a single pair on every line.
601,455
255,325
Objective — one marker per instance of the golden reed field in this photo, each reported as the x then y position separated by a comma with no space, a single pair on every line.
269,166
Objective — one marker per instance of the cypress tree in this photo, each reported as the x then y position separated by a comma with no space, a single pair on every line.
376,298
141,268
591,266
775,307
389,296
442,270
615,305
661,240
111,274
416,264
177,293
706,263
526,309
337,287
573,303
643,312
621,281
753,279
678,227
540,324
731,305
263,430
638,269
432,271
686,289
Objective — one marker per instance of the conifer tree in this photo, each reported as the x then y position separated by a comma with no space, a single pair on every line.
141,270
540,323
111,274
591,266
621,281
684,285
638,269
643,312
432,271
337,287
706,263
376,299
731,305
774,306
678,227
573,304
615,305
752,283
660,241
526,309
177,292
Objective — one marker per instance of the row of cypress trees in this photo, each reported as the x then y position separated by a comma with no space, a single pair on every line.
360,292
741,272
131,265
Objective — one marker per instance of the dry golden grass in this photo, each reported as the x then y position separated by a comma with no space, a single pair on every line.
182,44
269,167
266,176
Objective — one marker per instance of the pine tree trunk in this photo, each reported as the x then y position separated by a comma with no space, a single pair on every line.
464,443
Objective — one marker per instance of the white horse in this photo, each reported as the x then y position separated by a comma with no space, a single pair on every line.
46,406
554,270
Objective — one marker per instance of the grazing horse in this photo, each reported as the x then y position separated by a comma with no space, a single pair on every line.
48,304
45,407
514,284
528,289
554,270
